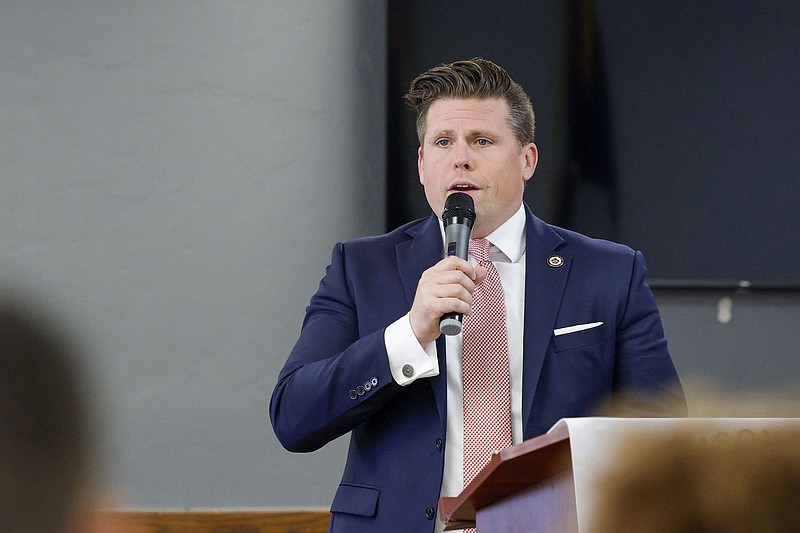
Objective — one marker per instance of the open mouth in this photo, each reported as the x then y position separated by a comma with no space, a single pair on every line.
463,187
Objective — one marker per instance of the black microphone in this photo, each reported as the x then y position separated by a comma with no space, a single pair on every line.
458,217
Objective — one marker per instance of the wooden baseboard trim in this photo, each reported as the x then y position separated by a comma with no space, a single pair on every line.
219,520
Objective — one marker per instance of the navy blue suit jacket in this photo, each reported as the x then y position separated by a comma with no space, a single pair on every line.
337,378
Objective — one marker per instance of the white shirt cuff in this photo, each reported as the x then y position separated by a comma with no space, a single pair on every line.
408,361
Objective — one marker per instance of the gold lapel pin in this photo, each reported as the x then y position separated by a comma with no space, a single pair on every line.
555,261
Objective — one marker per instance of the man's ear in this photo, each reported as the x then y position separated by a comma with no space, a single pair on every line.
420,165
530,157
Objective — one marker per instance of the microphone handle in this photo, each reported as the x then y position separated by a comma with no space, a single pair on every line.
451,324
456,236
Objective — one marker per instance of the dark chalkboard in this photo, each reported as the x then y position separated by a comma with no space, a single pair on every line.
704,108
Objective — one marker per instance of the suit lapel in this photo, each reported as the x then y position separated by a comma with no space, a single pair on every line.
414,256
417,254
544,287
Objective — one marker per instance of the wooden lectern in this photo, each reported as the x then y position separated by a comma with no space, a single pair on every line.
547,484
524,488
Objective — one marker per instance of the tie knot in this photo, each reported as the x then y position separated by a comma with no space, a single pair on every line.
479,248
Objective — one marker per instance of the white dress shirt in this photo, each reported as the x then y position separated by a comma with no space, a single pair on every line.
508,255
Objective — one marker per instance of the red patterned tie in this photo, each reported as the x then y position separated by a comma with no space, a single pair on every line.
487,392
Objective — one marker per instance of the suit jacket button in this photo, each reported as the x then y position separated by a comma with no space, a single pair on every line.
353,394
429,513
360,390
408,371
439,444
374,382
367,385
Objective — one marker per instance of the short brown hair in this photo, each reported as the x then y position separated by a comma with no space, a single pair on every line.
692,482
475,78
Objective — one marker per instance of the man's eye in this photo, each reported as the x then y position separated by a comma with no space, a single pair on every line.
483,142
443,142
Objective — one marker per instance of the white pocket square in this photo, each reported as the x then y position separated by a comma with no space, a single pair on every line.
576,327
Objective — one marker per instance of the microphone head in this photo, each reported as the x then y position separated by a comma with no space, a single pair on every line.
458,205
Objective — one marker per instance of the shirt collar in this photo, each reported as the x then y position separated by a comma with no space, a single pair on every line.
509,238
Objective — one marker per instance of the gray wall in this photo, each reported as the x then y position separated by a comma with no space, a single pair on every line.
173,176
738,344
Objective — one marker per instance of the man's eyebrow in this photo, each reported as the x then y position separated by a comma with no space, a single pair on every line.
439,133
470,133
481,133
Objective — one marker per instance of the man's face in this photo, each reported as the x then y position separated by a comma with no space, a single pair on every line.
469,147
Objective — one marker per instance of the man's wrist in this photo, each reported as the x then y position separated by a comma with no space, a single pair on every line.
408,359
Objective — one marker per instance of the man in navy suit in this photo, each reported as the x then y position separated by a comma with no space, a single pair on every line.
582,325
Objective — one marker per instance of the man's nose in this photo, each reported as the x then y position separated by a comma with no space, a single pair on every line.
462,157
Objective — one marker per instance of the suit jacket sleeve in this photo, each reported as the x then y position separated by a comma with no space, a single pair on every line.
644,376
337,375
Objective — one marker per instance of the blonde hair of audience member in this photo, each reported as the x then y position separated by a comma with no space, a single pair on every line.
46,433
684,482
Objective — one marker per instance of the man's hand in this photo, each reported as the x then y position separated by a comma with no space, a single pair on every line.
446,287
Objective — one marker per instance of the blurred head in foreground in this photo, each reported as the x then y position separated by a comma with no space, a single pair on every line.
684,482
45,435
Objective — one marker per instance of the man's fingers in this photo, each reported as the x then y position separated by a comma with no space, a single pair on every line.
446,287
